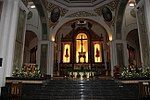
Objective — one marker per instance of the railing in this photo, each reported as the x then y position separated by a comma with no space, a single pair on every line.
141,87
144,89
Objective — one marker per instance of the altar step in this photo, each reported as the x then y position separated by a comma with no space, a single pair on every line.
77,90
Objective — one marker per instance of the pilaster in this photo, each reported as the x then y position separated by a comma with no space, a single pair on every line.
119,55
8,35
51,58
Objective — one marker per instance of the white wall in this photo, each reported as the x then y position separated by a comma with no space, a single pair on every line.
129,22
8,28
3,14
34,24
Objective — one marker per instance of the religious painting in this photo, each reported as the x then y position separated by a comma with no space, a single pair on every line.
97,52
55,14
18,53
1,6
66,53
81,48
107,14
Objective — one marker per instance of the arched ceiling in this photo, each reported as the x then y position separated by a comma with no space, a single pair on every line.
117,8
132,37
66,28
29,37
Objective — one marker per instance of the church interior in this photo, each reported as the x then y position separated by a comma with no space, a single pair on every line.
74,49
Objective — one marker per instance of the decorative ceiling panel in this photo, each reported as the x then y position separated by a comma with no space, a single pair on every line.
50,6
81,14
80,3
112,5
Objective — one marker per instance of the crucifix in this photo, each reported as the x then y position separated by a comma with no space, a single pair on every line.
82,54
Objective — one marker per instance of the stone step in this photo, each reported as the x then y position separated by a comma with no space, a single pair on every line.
77,90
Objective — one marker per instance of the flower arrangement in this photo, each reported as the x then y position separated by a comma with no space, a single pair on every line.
27,71
135,74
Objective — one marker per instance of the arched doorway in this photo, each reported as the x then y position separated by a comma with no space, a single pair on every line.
30,48
133,48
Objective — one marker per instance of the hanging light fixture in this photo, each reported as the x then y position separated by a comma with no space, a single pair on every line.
32,6
131,3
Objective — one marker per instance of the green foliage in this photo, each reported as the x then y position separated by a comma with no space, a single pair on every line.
135,74
22,73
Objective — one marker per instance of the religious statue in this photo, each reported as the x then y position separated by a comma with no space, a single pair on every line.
82,54
67,55
97,53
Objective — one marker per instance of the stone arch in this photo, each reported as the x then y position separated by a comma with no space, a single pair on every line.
60,24
30,47
130,28
133,47
34,30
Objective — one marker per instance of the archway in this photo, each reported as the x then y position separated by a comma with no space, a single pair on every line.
133,47
97,53
38,23
30,47
55,30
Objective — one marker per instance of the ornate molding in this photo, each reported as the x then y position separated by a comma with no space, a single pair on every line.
112,6
81,14
50,6
51,24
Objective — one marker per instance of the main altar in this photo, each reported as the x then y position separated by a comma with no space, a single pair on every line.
82,52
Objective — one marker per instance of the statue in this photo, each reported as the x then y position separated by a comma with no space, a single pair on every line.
97,53
67,55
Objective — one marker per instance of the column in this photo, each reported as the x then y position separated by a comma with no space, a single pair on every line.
119,56
126,55
51,58
9,35
147,14
147,21
44,54
38,54
9,20
105,57
113,55
143,23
